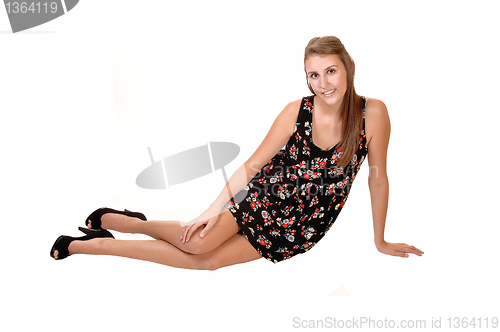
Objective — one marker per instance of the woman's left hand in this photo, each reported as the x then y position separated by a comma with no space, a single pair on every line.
398,249
207,218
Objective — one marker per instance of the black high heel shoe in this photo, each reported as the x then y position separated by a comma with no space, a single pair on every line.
63,241
95,217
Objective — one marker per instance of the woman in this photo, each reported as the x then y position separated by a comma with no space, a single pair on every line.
287,198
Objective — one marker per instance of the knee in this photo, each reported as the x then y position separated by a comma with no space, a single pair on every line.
209,263
197,245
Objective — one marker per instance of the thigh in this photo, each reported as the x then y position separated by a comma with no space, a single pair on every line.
223,230
171,231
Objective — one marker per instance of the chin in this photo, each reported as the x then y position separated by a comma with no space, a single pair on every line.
331,101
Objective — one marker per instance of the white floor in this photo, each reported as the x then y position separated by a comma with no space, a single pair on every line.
83,97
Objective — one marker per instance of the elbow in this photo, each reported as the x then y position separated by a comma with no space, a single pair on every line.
377,178
251,168
378,182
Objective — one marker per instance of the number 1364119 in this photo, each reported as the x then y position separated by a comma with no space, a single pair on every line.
32,7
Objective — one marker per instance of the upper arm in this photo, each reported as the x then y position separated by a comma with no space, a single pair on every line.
378,130
281,130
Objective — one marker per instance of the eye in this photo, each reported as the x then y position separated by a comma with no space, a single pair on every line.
331,71
313,75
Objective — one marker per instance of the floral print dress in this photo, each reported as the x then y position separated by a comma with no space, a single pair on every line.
296,197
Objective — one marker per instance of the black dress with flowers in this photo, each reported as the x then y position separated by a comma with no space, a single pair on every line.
296,197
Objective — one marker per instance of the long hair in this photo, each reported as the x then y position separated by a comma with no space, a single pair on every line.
351,108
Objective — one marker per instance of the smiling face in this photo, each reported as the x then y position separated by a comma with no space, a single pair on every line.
327,77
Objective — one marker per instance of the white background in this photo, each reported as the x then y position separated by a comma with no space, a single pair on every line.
83,96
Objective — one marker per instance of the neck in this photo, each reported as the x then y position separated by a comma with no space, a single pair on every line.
333,111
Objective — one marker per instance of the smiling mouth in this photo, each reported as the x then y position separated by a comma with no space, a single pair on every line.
329,92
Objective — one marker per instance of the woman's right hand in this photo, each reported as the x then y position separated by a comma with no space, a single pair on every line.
208,218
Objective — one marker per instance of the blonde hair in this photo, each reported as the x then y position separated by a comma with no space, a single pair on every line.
352,109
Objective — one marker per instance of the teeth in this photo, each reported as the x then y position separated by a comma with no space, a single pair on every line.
328,92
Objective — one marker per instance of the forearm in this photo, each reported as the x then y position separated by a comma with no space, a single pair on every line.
238,181
379,192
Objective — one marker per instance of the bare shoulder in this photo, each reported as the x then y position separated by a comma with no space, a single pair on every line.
375,109
377,121
292,109
288,116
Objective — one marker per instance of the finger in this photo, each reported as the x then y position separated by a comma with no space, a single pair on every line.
183,234
399,251
191,230
207,228
403,247
419,251
400,254
185,230
416,251
413,250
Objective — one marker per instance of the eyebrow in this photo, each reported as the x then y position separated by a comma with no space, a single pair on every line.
313,71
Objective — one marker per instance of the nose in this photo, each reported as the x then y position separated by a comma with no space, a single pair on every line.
323,81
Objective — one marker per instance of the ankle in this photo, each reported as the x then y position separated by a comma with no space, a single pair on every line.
113,221
86,247
121,223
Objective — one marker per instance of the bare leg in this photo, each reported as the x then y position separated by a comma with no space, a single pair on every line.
170,231
235,250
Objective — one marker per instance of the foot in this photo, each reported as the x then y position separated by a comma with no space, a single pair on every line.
66,245
98,215
56,253
103,218
115,221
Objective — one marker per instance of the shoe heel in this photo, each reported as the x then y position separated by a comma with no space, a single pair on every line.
93,233
86,231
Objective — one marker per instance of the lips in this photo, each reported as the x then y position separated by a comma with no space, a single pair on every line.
328,93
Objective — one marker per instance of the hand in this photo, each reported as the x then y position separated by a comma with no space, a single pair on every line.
208,218
398,249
